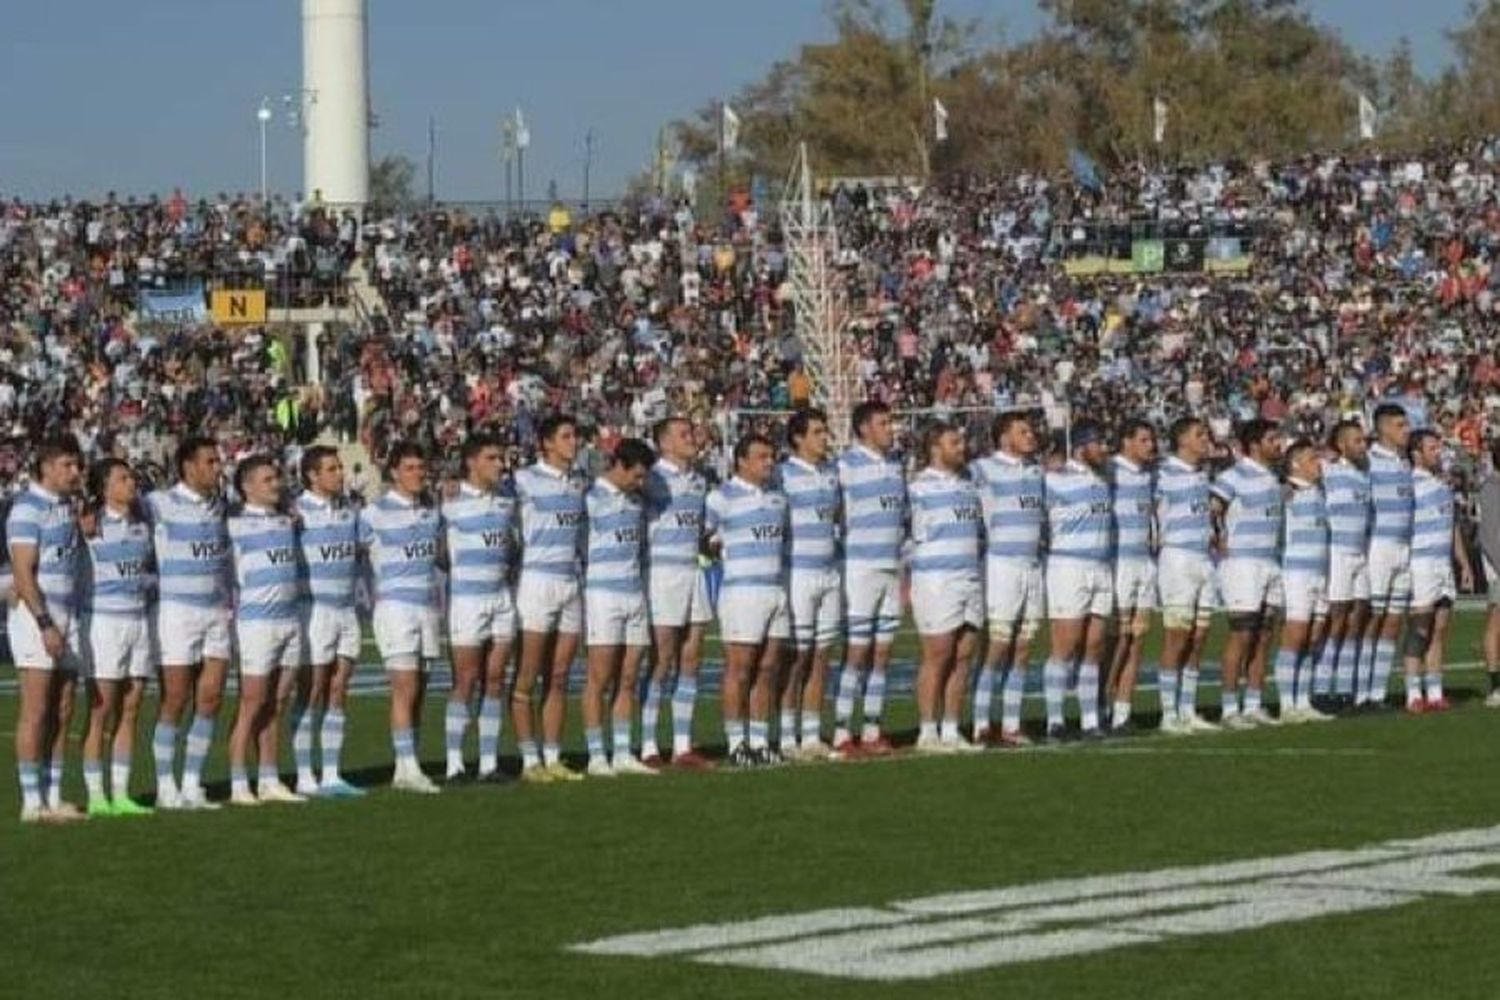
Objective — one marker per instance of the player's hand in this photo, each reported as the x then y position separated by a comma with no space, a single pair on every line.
52,641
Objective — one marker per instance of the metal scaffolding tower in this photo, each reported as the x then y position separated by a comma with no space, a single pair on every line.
819,303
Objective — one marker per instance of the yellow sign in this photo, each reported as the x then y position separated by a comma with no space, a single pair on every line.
238,306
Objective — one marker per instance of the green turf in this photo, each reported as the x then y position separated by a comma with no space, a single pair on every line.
478,892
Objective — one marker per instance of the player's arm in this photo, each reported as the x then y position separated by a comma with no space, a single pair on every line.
710,543
25,557
1461,554
1218,510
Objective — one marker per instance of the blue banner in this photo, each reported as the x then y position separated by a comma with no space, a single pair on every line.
183,306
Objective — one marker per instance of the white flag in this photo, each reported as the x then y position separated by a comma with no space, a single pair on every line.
729,128
1366,118
1159,119
523,134
939,120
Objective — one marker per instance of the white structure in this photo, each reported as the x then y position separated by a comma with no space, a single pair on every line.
335,103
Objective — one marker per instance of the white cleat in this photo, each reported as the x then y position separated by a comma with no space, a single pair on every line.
1293,717
168,798
814,749
275,791
933,745
1310,714
195,800
1196,723
414,781
1260,717
34,814
599,768
1492,700
1237,722
962,746
630,764
244,798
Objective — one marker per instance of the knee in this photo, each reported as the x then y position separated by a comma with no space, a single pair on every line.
1418,636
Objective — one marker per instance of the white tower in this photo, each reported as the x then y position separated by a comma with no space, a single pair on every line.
335,103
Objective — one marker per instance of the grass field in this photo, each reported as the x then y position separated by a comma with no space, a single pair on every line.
483,891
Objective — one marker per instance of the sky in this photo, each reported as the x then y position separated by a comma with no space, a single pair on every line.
101,95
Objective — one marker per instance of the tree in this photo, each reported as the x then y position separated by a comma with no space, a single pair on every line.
392,179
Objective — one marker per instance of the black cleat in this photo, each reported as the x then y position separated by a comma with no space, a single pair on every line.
458,780
742,756
1057,734
496,777
1092,736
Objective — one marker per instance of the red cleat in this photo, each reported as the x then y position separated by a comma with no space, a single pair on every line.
1417,707
878,747
1011,739
654,762
1438,705
846,750
692,761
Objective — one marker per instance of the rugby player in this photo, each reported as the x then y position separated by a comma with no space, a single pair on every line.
1389,553
1489,549
479,532
1132,479
116,633
678,599
402,535
263,545
43,628
1304,582
1011,491
1346,484
947,590
328,533
1080,586
615,606
1186,573
1435,544
816,597
746,520
873,503
551,501
192,619
1249,510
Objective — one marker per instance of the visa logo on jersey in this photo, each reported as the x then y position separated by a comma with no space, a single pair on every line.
967,515
336,553
129,569
420,550
891,501
569,518
208,550
492,539
280,557
766,532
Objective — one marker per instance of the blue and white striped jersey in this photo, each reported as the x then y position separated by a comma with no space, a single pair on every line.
1133,488
1012,494
1253,522
266,573
615,539
1347,488
1390,495
1432,519
812,494
752,525
674,516
402,539
1307,536
552,520
1183,519
1080,513
192,548
479,528
874,502
329,539
947,518
45,521
121,572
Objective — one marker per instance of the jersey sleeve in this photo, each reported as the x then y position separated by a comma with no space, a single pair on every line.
1225,486
713,513
23,526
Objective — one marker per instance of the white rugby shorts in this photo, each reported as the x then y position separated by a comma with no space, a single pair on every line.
1186,582
1390,574
678,597
1249,585
817,607
751,615
328,634
1079,588
872,603
118,647
1135,586
943,602
266,646
1348,576
406,634
1432,582
1304,595
26,649
615,619
550,604
187,635
1015,595
474,621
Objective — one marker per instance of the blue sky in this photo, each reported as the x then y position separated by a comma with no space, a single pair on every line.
101,95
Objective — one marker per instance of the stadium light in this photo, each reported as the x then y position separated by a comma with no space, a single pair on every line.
263,116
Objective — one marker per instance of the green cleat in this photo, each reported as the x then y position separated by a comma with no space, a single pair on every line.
100,807
126,806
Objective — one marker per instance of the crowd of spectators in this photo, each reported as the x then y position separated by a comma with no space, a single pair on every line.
1369,278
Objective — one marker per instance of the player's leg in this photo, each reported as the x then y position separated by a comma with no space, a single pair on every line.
1442,618
1133,629
65,696
32,725
799,664
999,652
739,658
1095,634
331,733
956,687
1260,659
133,694
1239,645
468,664
685,694
405,676
1066,646
622,715
492,709
665,646
309,701
278,708
764,684
937,655
104,699
254,688
1296,633
555,701
534,649
1333,677
208,698
176,683
1419,636
602,660
886,620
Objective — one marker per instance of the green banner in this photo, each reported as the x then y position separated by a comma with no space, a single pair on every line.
1148,255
